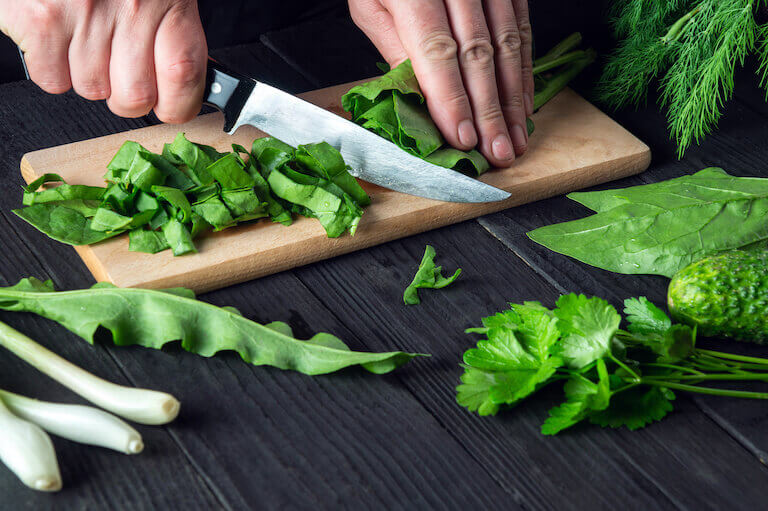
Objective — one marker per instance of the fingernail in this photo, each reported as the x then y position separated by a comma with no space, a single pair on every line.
528,98
502,148
467,133
519,139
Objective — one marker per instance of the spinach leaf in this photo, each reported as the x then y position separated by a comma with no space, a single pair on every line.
196,159
153,318
59,193
151,242
276,211
176,199
393,107
662,227
178,237
428,276
63,224
326,162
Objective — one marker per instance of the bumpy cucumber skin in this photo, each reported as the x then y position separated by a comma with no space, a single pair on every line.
724,295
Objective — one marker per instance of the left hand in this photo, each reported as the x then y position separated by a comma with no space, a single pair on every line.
473,61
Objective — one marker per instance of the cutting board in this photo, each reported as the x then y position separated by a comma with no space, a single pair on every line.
574,146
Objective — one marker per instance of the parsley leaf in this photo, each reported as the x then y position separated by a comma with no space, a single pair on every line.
428,276
644,317
589,325
635,408
513,362
582,397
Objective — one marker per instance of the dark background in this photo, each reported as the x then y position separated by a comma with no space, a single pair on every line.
234,22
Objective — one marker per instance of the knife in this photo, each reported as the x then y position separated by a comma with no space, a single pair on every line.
244,100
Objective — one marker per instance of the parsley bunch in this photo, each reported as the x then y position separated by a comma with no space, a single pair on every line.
612,377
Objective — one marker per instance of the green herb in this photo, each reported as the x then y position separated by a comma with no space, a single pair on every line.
428,276
165,201
662,227
693,48
394,107
153,318
613,377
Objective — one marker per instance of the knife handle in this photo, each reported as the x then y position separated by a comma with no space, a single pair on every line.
227,91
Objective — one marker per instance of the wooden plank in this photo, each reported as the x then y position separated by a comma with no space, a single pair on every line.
559,159
160,477
667,465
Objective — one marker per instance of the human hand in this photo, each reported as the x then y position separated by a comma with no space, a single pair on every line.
139,55
472,59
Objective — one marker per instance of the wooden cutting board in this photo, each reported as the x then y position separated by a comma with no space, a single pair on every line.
574,146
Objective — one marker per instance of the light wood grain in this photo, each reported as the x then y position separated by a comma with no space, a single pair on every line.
575,145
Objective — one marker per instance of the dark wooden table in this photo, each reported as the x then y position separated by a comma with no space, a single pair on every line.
254,437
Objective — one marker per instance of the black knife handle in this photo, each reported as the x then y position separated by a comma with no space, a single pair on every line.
226,90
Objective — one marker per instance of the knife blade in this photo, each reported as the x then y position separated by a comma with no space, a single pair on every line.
244,100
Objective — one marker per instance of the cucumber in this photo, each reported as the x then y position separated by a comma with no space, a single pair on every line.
724,295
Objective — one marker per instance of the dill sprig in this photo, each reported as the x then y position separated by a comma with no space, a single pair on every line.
693,48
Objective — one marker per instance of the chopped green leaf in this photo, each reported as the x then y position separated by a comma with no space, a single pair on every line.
428,276
589,325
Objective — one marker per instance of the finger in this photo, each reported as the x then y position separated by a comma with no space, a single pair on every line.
426,35
523,17
377,24
133,92
180,62
46,51
477,69
89,56
506,37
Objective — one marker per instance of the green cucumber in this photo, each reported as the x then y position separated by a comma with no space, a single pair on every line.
724,295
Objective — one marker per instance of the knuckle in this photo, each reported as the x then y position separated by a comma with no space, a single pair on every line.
524,30
131,8
477,51
491,116
53,86
508,41
134,102
440,47
93,89
513,102
184,73
44,15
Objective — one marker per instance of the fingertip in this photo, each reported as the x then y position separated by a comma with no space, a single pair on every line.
501,152
467,134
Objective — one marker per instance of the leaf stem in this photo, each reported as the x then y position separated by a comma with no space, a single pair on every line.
624,366
563,47
560,80
707,390
719,376
559,61
732,356
673,366
677,28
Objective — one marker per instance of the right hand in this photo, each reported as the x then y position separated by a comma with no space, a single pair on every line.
139,55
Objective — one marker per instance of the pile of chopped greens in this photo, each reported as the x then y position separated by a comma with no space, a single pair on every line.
662,227
165,200
692,47
394,107
612,377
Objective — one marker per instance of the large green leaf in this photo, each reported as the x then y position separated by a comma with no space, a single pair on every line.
661,228
153,318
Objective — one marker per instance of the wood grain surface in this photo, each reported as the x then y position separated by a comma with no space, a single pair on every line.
575,145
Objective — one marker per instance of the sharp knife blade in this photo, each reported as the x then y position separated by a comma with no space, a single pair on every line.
372,158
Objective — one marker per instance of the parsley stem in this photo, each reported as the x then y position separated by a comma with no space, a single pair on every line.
732,356
557,62
719,376
707,390
625,367
673,366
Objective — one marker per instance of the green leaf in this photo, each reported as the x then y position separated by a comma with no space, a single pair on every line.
176,199
275,209
325,161
194,157
214,212
150,242
178,237
427,276
393,107
583,398
107,220
659,229
62,192
153,318
63,224
644,317
588,325
513,362
635,408
230,173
